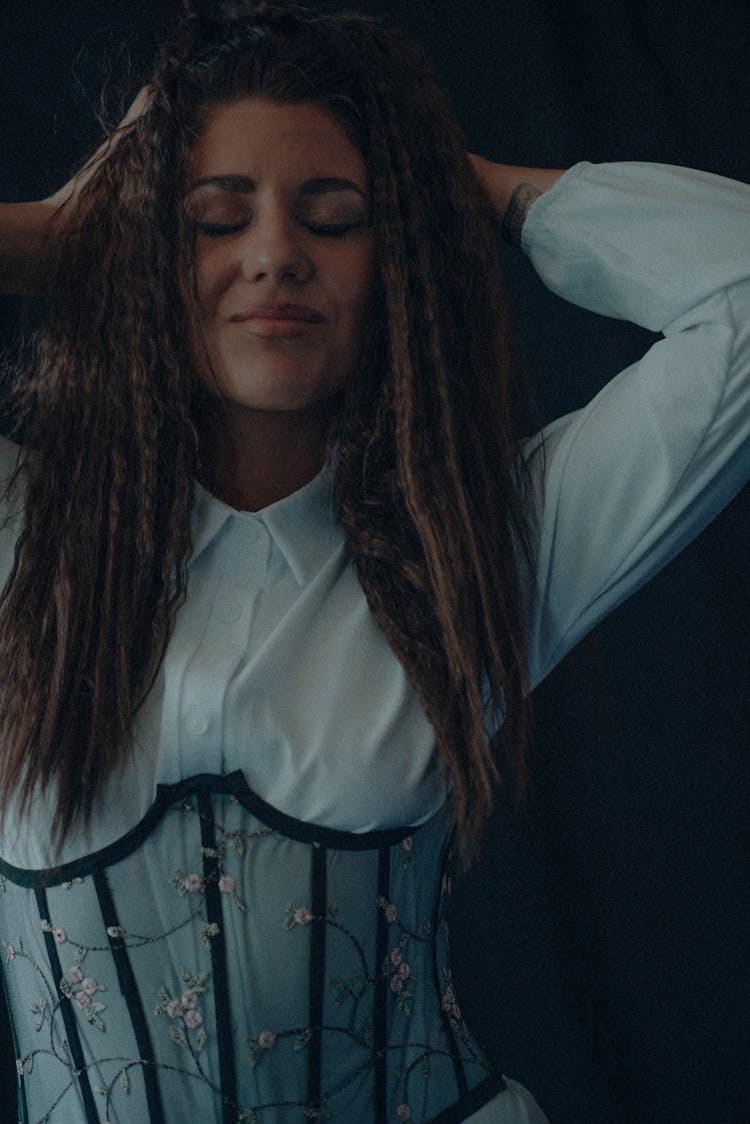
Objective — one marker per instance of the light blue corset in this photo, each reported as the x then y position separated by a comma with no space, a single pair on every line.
225,963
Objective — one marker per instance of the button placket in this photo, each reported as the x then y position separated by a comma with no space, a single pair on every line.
240,561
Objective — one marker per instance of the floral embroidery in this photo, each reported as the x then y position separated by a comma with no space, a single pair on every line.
187,883
80,989
297,915
262,1043
185,1008
449,1003
357,978
396,969
408,857
209,930
391,913
59,935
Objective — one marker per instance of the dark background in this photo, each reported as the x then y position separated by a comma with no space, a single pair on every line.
601,945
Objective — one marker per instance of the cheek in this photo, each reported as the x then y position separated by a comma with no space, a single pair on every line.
211,276
361,285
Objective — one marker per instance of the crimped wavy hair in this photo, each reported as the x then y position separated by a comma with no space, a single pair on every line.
429,483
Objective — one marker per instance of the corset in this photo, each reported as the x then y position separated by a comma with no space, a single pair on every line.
224,963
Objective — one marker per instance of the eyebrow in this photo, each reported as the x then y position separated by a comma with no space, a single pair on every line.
244,185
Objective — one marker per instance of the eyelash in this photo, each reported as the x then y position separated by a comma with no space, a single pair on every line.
332,230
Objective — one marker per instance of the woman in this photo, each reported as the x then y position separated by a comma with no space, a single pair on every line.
253,753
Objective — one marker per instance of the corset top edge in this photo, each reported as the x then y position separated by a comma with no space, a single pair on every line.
233,785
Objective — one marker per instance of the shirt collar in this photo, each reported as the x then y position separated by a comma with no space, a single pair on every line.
302,525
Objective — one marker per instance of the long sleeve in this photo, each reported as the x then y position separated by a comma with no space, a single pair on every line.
628,481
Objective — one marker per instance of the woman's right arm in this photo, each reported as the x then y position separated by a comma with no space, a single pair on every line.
28,233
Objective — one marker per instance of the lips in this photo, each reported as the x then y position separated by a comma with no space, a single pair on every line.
281,312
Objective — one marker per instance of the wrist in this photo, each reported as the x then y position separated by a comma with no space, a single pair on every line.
515,213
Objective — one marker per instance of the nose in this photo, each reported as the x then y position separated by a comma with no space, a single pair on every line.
272,249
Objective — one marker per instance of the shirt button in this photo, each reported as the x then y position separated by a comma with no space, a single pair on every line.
197,724
228,613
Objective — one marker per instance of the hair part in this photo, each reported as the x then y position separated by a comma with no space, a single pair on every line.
429,481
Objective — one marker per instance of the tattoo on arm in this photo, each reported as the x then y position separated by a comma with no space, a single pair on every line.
515,214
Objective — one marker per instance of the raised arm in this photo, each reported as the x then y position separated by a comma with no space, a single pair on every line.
30,233
629,480
27,240
512,189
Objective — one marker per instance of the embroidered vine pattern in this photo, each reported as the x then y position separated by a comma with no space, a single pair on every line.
180,1000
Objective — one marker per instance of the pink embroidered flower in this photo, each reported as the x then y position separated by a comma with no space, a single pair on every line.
193,1019
403,1112
10,953
449,1003
390,913
60,935
404,971
302,915
75,974
227,884
396,984
89,986
175,1009
407,843
267,1039
83,1000
193,883
396,956
190,1000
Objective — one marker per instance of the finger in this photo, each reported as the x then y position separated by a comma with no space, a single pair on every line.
140,105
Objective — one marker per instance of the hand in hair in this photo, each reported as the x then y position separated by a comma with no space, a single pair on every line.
29,232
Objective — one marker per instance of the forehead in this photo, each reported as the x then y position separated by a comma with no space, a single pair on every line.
253,134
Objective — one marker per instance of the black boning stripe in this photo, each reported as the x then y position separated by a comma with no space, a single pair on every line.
214,912
69,1019
380,1040
438,919
129,989
319,908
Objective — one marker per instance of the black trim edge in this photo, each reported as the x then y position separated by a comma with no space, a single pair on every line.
475,1099
233,784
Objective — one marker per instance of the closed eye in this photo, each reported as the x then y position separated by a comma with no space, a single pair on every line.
327,230
334,230
217,229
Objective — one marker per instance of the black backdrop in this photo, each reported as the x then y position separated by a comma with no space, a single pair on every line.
601,945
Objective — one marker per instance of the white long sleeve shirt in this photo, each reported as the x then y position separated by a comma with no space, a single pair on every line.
276,667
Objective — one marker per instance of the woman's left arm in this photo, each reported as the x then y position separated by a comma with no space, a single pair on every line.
512,189
629,480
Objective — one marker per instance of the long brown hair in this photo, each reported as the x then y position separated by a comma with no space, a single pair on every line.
429,482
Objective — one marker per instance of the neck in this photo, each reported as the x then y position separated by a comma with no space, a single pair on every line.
253,458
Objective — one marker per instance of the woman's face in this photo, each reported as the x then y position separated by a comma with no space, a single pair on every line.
279,197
